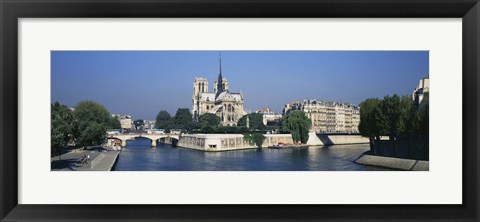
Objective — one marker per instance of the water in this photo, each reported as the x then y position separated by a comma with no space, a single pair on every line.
138,156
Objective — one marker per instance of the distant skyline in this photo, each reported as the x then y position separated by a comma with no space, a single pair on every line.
141,83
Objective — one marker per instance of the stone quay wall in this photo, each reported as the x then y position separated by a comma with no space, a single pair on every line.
224,142
328,140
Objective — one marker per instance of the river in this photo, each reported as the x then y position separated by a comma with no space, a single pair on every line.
139,156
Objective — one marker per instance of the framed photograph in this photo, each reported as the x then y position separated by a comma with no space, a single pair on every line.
267,110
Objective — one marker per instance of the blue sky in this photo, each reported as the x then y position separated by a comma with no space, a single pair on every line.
141,83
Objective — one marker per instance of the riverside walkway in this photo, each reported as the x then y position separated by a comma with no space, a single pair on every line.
101,159
393,163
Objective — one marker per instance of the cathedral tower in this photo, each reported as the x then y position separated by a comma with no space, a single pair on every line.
200,85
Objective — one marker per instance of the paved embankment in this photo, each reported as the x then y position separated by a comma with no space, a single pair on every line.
102,162
101,159
393,163
336,139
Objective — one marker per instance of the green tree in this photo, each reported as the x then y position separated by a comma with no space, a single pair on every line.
209,120
424,122
255,121
391,108
114,123
396,117
183,120
163,120
255,138
92,120
372,121
298,124
62,127
207,129
410,119
231,129
393,112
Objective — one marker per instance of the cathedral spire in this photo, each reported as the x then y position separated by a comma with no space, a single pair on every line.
220,78
220,62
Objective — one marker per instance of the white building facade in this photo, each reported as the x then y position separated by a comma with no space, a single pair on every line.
328,116
126,121
269,116
420,90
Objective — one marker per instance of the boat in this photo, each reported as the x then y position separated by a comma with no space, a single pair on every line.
286,146
117,147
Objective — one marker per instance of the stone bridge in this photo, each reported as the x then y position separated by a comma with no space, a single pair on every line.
153,137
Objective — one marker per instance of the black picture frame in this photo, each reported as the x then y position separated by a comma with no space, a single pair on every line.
11,11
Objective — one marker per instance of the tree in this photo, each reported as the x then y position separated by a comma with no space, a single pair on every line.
231,129
298,124
92,120
163,120
424,127
183,120
410,119
396,117
372,121
255,138
207,129
392,110
62,127
209,120
114,123
255,121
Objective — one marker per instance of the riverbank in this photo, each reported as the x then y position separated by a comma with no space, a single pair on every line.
393,163
101,159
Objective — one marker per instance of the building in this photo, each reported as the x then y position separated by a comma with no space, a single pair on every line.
155,131
419,91
148,124
221,102
269,116
328,116
126,121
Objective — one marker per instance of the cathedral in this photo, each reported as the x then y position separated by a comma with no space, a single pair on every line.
221,102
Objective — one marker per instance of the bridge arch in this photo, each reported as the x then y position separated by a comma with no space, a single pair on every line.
152,137
116,139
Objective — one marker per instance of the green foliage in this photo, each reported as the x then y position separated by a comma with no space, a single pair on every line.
114,123
231,129
163,120
423,128
410,118
393,113
92,120
396,117
254,138
255,121
62,127
209,120
298,124
183,120
207,129
372,120
92,134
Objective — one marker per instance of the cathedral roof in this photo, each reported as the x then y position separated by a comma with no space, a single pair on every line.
207,97
227,96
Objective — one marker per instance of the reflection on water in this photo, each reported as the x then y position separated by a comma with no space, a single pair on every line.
138,156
